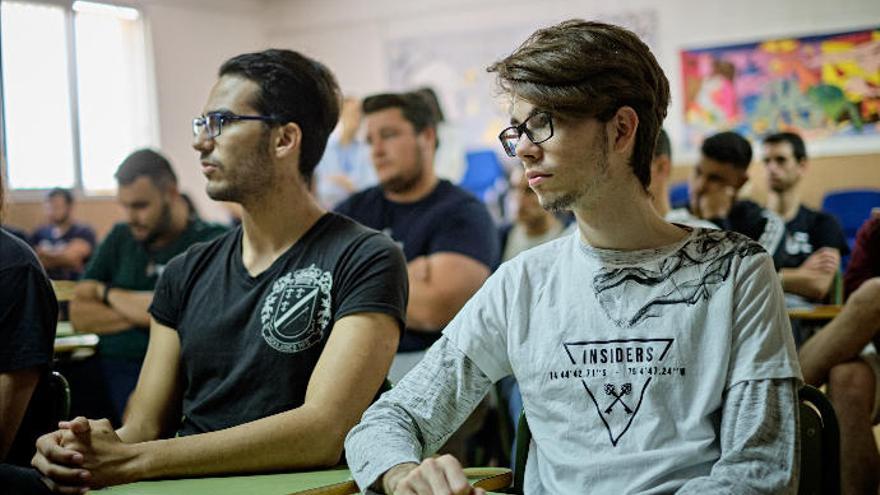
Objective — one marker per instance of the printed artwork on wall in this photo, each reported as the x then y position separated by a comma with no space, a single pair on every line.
824,87
454,65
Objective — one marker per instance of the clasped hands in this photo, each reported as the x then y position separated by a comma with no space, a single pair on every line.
83,454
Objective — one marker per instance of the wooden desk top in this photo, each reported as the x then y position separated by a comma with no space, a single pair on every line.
825,313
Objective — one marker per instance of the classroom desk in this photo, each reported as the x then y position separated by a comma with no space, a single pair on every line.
66,340
815,313
328,482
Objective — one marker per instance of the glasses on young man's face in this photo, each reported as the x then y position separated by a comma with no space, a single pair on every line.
538,128
212,123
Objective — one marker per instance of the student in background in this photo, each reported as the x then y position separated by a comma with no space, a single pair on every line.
117,288
843,355
63,245
661,168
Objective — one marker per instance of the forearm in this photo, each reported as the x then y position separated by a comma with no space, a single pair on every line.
132,305
96,317
759,441
16,388
813,285
429,309
299,439
416,417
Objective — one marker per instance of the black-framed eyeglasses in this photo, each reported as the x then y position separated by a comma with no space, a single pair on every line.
212,123
538,128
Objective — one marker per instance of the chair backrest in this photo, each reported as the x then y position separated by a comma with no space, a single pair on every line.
523,440
820,444
483,172
678,194
851,208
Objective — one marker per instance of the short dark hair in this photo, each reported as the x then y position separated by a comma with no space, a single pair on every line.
415,107
146,163
664,146
591,69
798,148
293,88
64,193
728,147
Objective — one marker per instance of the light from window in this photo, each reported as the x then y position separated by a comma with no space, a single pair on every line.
36,96
113,112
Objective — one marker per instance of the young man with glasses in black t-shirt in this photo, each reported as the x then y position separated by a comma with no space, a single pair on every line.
272,339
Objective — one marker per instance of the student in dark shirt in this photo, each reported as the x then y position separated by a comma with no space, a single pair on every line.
28,315
446,234
63,245
117,287
809,255
272,339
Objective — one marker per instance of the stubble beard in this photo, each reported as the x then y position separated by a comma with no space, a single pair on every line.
568,201
252,176
403,183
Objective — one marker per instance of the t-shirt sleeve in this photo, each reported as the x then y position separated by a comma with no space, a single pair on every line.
763,346
87,234
865,260
28,316
480,328
469,230
102,263
168,296
828,233
374,279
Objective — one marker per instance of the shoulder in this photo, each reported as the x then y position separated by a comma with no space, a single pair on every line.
15,253
371,195
340,229
119,232
207,230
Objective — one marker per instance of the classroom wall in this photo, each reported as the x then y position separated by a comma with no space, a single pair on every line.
191,38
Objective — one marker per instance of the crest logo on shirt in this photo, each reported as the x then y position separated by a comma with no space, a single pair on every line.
616,374
297,310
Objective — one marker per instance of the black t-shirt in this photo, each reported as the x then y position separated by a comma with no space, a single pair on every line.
28,316
249,344
448,220
806,233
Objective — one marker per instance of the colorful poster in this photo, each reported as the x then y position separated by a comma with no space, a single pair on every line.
823,87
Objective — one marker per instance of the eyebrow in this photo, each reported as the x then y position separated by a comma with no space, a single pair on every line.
531,114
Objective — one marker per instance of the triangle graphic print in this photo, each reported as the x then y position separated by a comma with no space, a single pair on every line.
617,399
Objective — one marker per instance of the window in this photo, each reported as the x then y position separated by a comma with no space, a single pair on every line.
76,97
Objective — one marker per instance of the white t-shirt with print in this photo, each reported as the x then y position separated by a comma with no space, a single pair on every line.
623,358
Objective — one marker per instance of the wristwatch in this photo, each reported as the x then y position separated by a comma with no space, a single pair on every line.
107,288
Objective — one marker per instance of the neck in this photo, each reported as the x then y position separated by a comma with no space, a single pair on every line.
63,226
661,203
786,203
267,230
632,224
421,189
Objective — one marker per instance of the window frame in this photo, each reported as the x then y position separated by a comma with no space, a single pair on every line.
79,191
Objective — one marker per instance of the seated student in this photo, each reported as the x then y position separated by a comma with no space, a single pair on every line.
117,287
808,258
661,168
650,357
63,245
446,234
270,340
843,355
532,226
28,315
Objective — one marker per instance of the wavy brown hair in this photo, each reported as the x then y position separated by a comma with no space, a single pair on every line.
582,69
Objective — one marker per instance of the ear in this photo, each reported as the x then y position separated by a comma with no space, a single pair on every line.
287,141
624,125
662,166
429,134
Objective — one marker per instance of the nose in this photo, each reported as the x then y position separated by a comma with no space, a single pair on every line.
526,150
201,141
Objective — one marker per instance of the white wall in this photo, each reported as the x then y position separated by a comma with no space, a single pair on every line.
190,40
350,36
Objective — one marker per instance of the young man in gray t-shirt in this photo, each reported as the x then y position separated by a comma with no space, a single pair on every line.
652,358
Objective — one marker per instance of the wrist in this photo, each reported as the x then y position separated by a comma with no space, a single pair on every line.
393,476
137,467
105,294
